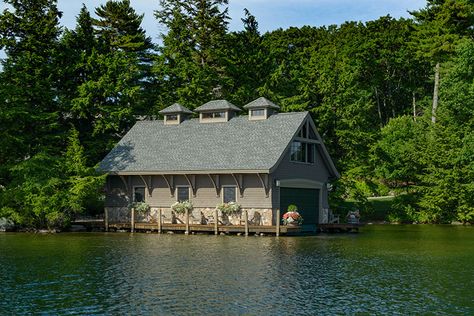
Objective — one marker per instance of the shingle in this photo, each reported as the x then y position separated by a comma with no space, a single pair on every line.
261,103
175,109
239,144
216,105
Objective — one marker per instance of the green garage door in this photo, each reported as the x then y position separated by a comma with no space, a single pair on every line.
307,201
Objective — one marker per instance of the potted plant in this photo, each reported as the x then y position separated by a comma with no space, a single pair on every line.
230,208
292,217
181,207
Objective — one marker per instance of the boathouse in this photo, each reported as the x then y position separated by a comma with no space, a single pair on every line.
264,161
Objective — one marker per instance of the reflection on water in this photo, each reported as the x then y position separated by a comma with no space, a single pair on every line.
384,269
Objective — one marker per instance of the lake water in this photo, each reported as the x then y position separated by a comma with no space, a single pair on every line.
382,270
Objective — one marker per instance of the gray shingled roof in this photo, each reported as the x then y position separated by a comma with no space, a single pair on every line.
176,108
261,103
239,144
215,105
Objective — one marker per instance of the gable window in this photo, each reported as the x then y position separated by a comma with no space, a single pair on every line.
229,194
213,115
182,194
258,113
302,152
138,194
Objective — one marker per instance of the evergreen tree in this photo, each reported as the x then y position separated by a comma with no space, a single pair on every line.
29,109
440,26
191,63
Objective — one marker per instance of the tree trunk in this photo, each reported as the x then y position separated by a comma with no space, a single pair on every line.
379,110
414,106
435,94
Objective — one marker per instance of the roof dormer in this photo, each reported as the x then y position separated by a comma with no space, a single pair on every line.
261,109
216,111
175,114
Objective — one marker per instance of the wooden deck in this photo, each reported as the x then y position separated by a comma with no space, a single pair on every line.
340,227
193,228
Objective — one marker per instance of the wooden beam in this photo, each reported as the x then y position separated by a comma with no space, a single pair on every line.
125,183
216,222
239,182
170,183
264,179
147,183
192,183
106,219
215,183
132,220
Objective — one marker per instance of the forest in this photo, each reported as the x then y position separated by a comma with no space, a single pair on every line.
392,98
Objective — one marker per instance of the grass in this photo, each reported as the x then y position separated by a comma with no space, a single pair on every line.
378,210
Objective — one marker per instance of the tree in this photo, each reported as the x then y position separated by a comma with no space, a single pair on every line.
190,65
29,109
440,26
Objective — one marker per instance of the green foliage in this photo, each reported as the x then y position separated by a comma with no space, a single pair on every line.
366,85
292,208
141,207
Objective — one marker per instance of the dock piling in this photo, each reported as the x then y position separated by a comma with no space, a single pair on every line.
132,221
187,222
106,219
216,222
159,221
246,218
277,232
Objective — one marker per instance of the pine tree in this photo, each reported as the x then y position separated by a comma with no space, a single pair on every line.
190,66
440,26
29,109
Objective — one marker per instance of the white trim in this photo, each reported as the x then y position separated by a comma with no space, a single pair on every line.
133,192
229,186
182,186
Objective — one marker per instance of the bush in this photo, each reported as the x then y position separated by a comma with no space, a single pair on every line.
292,208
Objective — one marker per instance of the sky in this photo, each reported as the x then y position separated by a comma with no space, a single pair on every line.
270,14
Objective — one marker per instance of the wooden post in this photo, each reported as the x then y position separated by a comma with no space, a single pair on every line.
106,219
278,222
159,221
246,218
216,223
132,220
187,222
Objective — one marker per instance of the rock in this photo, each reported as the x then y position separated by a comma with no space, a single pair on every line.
262,234
6,225
222,234
170,233
121,231
239,234
77,228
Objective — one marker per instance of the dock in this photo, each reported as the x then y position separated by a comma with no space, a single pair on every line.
190,228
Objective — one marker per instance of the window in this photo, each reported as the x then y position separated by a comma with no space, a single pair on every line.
260,112
139,194
229,194
302,152
172,117
182,194
213,115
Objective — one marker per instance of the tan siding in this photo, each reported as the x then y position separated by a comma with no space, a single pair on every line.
206,197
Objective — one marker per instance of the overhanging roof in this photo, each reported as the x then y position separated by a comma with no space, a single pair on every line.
239,144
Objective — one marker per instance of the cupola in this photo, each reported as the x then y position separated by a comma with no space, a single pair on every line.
261,109
216,111
175,114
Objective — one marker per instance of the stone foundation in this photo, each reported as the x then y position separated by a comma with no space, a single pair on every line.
197,216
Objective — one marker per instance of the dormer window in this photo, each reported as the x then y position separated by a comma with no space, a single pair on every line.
261,109
216,111
172,117
257,113
175,114
213,115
